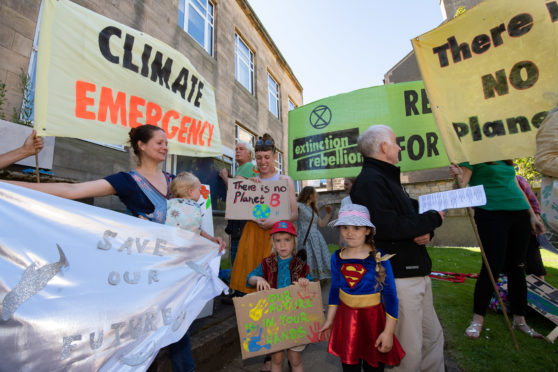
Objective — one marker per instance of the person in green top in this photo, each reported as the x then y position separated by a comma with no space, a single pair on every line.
504,224
244,153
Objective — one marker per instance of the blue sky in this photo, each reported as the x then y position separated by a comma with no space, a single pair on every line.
336,46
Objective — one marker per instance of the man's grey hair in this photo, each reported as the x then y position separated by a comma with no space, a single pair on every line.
248,146
370,141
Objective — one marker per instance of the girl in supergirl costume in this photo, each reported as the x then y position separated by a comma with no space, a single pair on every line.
279,270
362,294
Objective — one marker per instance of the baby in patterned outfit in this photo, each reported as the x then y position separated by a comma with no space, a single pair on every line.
183,210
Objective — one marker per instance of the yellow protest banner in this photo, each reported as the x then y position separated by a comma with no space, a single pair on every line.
491,77
97,78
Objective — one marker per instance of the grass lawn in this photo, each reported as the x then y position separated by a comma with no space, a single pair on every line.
494,350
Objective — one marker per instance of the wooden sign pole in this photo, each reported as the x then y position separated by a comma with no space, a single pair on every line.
37,166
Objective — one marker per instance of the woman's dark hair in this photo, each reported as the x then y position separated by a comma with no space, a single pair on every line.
265,143
305,195
142,133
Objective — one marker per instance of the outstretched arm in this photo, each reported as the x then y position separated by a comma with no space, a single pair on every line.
31,145
81,190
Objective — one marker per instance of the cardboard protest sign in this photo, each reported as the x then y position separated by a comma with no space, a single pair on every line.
491,77
247,200
92,289
97,78
278,319
323,135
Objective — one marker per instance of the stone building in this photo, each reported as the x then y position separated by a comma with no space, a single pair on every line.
226,43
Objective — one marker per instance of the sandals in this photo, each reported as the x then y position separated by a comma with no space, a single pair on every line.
474,330
522,327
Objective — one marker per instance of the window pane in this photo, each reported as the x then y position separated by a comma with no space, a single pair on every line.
210,41
196,25
181,13
279,162
243,76
244,64
291,105
243,135
201,4
273,94
199,23
272,104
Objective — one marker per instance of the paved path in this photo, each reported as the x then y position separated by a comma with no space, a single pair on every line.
314,359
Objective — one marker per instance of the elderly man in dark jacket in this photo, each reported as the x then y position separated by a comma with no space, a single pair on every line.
403,231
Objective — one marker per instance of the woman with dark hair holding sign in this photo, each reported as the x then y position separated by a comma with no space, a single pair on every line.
144,191
503,224
255,242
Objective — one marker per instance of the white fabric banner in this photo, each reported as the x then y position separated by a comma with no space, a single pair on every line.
85,288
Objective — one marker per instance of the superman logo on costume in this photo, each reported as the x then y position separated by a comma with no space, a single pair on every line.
353,273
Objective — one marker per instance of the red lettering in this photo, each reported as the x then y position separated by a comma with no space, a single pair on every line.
274,202
135,114
210,126
107,104
165,123
194,131
205,124
82,101
183,129
153,113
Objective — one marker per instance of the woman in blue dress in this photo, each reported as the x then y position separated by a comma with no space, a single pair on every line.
144,191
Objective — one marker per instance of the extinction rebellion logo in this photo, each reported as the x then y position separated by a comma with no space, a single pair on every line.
320,117
326,150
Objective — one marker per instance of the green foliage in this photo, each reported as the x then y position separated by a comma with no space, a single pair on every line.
25,115
526,169
494,350
2,100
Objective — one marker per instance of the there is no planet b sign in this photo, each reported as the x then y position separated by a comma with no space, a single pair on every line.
247,200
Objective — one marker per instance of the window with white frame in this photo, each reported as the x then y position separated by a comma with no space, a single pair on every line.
244,64
242,135
196,18
273,93
279,162
292,106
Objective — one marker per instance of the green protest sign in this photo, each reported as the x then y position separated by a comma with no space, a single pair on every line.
323,134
